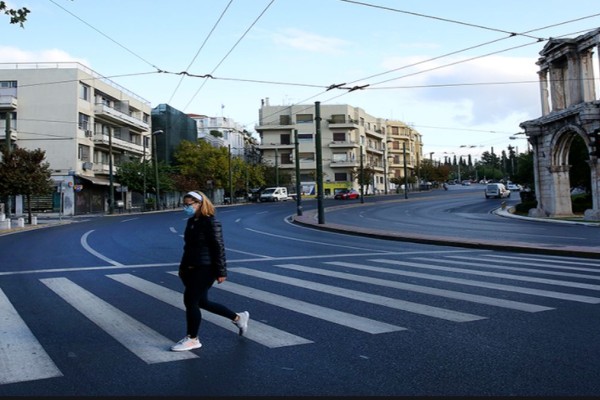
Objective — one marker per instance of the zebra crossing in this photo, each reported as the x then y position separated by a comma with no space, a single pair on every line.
542,280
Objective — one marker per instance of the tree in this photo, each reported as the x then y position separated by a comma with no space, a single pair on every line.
24,172
17,15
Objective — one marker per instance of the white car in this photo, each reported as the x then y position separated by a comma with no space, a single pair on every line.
514,187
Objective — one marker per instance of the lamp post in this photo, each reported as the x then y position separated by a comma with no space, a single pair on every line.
362,177
405,174
111,190
158,132
230,176
144,143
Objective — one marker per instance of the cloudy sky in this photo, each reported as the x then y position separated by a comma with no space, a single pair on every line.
461,72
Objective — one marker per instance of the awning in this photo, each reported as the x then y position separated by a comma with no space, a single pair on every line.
96,180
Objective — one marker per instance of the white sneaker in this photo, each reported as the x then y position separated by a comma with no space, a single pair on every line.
187,343
242,322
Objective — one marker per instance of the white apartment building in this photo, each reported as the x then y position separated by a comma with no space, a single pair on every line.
228,133
86,124
350,138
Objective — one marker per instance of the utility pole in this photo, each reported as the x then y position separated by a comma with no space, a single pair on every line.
298,186
319,156
111,190
362,177
8,151
405,173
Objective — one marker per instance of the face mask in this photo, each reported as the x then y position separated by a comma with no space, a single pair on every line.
189,210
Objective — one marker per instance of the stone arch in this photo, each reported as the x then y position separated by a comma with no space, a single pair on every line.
560,145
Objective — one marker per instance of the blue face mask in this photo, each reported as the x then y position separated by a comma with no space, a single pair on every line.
189,210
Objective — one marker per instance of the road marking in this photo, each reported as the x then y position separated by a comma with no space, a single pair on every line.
258,332
142,341
489,285
506,276
473,298
408,306
89,249
22,357
337,317
531,261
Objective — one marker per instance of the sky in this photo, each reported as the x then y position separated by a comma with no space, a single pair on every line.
460,72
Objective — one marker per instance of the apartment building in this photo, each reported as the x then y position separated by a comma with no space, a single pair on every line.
351,141
86,124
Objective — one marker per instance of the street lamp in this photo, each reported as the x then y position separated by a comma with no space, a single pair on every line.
405,174
158,132
111,190
144,143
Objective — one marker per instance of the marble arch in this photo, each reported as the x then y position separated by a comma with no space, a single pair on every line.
569,109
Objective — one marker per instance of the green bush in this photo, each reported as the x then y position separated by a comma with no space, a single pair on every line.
581,202
525,206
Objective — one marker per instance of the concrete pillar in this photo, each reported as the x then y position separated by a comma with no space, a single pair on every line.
543,77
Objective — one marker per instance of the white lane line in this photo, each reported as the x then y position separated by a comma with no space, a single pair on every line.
408,306
89,249
328,314
138,338
473,298
257,331
314,241
22,357
489,285
506,276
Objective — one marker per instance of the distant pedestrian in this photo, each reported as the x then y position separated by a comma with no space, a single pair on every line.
203,262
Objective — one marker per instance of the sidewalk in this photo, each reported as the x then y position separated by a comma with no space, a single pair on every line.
310,219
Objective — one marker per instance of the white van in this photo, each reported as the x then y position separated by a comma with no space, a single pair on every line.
274,194
497,190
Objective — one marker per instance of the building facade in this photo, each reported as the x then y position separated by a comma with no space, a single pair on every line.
86,124
352,142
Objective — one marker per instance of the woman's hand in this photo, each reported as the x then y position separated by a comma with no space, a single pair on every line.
221,279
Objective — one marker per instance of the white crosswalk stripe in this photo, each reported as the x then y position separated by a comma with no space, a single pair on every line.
23,358
142,341
260,333
416,308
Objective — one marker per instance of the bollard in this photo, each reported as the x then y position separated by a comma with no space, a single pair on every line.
20,222
2,217
503,204
34,220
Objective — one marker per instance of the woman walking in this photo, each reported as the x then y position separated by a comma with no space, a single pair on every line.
203,262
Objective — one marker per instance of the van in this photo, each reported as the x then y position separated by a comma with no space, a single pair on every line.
497,190
274,194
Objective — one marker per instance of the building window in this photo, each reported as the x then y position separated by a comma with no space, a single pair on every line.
84,92
307,157
305,137
304,118
339,136
83,153
340,177
285,138
286,158
8,84
285,120
84,121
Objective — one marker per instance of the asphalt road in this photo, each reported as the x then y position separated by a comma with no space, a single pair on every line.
90,308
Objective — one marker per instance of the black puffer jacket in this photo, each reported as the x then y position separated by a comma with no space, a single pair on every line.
203,245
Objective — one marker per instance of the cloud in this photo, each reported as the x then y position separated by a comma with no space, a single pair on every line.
298,39
12,54
493,87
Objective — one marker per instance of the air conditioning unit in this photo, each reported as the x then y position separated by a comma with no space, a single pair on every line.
89,133
88,165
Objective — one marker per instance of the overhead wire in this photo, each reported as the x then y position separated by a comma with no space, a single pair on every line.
200,49
230,51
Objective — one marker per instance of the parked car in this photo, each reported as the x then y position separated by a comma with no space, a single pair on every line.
497,190
514,187
274,194
346,194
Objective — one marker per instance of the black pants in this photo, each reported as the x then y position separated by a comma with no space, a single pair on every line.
197,281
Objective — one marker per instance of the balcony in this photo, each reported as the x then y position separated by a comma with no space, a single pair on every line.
117,143
273,146
343,144
8,102
377,133
347,124
13,133
374,150
344,164
118,117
